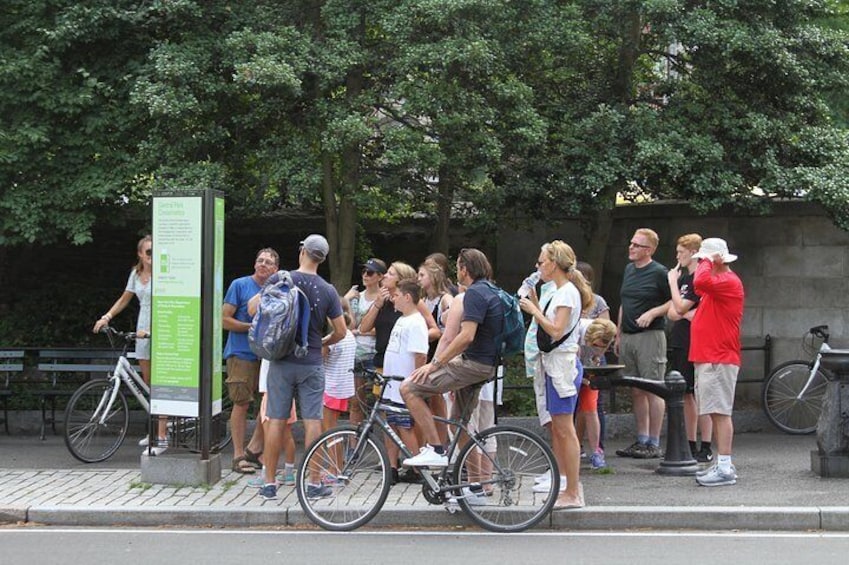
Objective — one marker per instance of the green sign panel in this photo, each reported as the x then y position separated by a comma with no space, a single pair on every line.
178,322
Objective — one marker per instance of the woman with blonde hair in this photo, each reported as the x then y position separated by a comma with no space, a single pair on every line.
557,334
138,285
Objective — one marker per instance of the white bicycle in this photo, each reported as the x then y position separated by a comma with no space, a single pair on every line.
793,391
97,416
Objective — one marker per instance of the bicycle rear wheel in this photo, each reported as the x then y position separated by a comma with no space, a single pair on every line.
186,431
515,457
87,438
342,483
783,406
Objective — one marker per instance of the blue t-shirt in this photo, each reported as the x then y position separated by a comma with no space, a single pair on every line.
240,292
482,306
324,304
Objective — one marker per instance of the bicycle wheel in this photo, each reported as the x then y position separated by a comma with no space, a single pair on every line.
87,438
781,401
186,431
514,458
355,478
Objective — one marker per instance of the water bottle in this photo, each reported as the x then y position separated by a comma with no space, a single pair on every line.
528,284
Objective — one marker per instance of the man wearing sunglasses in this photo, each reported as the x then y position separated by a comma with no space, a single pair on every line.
641,341
242,364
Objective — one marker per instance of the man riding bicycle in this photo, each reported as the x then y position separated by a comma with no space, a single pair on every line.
468,361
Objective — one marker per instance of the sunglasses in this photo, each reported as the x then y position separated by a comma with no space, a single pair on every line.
639,245
148,252
369,273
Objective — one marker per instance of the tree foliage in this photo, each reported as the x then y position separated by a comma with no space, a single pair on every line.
485,110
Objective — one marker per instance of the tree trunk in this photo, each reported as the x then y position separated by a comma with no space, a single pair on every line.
445,197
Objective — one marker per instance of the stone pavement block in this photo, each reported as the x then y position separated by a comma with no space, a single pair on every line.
835,518
10,514
698,517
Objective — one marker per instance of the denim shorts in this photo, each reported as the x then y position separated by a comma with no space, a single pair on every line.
285,380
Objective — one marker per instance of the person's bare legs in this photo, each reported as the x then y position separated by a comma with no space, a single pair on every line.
657,408
723,433
567,452
640,403
238,425
691,417
162,425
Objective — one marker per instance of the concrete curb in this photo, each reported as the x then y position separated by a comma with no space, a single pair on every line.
762,518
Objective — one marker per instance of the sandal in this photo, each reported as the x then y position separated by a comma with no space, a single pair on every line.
253,458
241,465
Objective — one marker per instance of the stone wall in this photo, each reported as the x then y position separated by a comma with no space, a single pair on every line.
794,265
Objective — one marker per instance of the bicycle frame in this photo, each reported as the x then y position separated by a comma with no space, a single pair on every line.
814,367
125,373
375,418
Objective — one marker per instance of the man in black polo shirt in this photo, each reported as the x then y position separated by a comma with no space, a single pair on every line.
469,360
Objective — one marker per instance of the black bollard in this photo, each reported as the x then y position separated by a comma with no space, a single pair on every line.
678,461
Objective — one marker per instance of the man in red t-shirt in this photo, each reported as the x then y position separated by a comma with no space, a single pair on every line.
715,351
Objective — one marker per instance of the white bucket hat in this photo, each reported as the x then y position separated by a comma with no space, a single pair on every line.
713,245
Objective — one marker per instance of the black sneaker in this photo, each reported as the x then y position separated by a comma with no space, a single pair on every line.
630,450
394,479
644,451
410,476
705,455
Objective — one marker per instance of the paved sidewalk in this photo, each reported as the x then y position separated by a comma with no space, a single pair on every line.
776,490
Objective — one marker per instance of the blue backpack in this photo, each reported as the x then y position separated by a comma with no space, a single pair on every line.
511,341
281,323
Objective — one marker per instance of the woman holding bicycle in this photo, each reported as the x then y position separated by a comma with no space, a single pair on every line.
557,334
138,285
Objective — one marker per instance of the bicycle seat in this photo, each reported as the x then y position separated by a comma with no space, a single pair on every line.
820,331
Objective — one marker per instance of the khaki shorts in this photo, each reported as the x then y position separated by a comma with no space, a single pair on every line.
644,354
463,376
715,384
242,380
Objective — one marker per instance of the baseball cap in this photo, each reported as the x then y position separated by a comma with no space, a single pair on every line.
316,247
375,265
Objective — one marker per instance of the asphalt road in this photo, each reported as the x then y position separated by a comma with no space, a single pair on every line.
47,546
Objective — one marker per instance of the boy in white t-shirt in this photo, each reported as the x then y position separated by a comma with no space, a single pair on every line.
406,351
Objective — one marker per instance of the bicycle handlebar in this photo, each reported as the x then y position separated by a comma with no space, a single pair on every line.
126,336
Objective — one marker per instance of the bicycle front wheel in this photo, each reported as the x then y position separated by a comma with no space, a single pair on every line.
505,460
94,428
788,411
343,481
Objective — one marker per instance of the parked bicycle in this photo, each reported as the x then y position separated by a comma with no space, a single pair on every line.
491,477
793,391
97,416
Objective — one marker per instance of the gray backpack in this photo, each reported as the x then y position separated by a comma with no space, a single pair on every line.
281,323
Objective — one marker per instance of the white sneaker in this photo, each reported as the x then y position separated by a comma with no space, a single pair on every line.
545,485
471,497
427,457
144,442
158,449
545,477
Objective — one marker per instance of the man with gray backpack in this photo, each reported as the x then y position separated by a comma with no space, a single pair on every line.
301,371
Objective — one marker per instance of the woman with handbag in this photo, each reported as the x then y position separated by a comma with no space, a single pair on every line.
557,337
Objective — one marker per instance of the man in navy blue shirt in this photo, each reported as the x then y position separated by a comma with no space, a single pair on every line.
469,360
303,376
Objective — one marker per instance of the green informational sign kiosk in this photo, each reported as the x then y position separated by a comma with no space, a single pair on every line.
188,290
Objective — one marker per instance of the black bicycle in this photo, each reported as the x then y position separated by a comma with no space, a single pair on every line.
491,477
